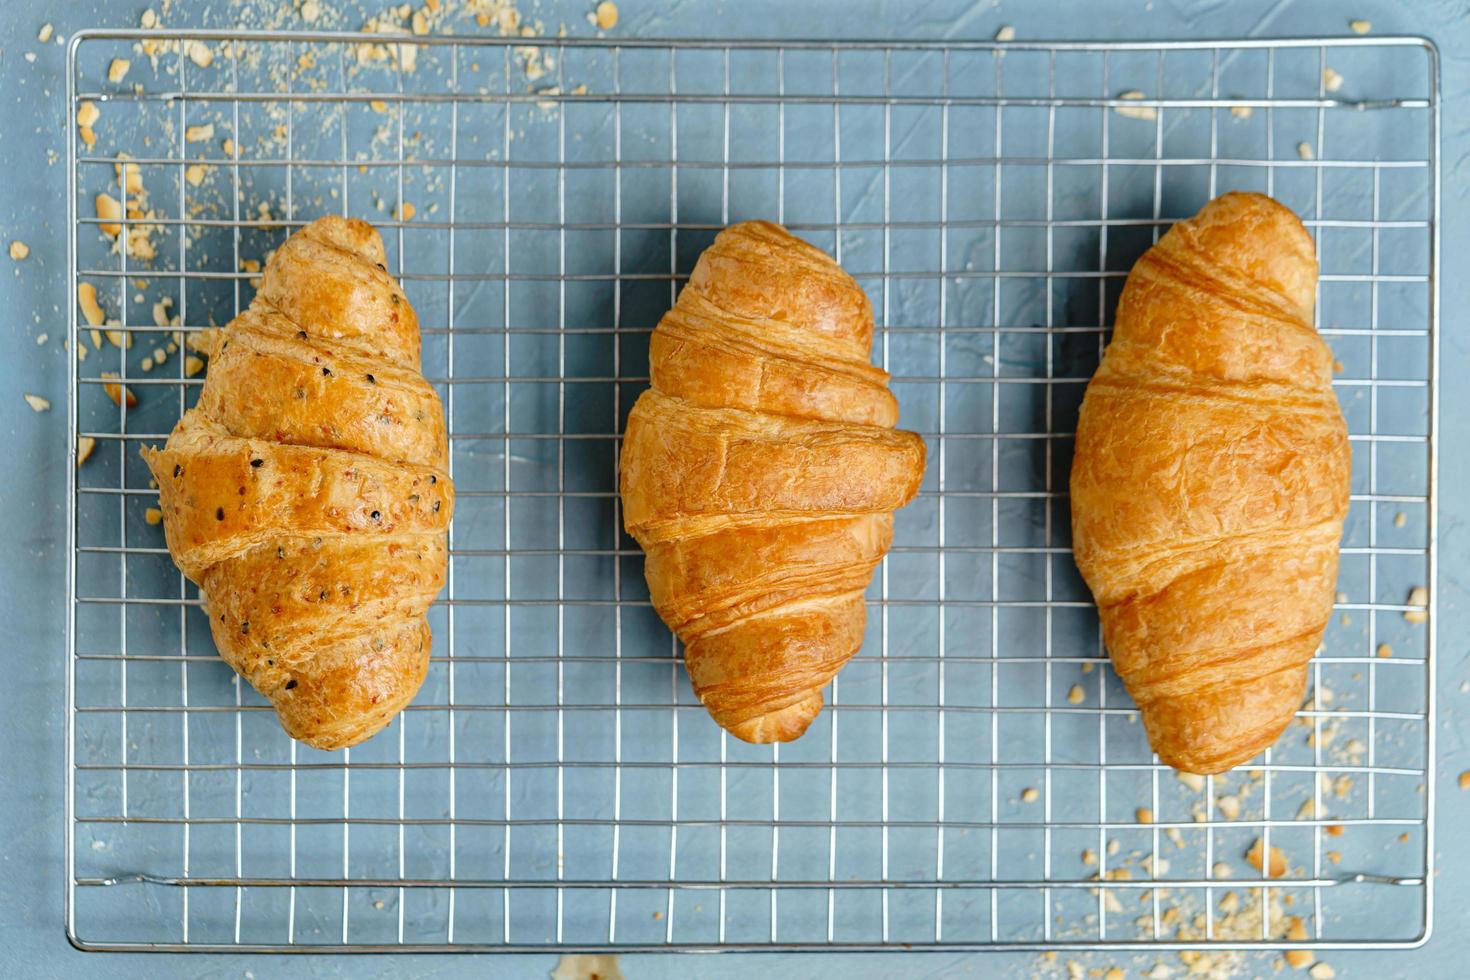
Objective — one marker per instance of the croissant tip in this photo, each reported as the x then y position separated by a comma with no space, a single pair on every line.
785,724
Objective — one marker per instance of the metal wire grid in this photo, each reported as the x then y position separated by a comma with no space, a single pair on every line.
556,784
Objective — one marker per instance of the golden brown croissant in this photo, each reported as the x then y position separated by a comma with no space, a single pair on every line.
307,494
760,474
1210,483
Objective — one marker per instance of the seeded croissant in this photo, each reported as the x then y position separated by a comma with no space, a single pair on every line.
760,474
307,493
1210,483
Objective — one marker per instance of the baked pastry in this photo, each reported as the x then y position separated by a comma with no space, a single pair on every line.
760,474
307,494
1210,483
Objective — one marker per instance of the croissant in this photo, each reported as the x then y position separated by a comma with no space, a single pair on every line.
760,473
1210,483
307,492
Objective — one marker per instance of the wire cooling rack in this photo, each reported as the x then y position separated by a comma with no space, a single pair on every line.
979,778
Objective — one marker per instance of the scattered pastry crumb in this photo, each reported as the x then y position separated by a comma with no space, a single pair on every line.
88,113
118,70
192,366
1418,596
582,966
1030,794
1360,26
195,174
1400,519
19,250
118,338
1222,870
1143,815
1384,651
45,34
42,338
405,211
1278,863
1465,779
91,309
199,53
1006,33
119,394
1089,857
1335,857
606,15
1305,151
1076,695
1229,807
153,515
1114,973
1195,782
377,904
109,211
657,915
1331,79
85,445
1321,972
37,403
1307,811
1087,666
199,134
1135,112
1114,847
1334,830
1242,111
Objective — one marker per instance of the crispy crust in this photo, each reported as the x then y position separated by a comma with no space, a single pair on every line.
760,474
1210,483
306,493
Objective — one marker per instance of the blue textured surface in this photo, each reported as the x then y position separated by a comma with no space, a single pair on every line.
33,563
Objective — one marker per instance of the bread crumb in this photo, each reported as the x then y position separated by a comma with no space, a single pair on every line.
1114,847
37,403
406,211
1006,33
419,24
1143,815
1229,807
1418,596
153,515
228,146
607,15
1076,695
1332,79
85,445
195,174
87,113
147,364
1222,870
378,105
119,394
1278,863
1335,857
1147,112
110,211
1114,973
118,70
1384,651
198,134
1030,794
1400,519
1089,857
1334,830
1360,26
1465,779
19,250
192,365
45,34
1321,972
1242,111
1194,781
1307,810
119,339
91,309
1305,151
